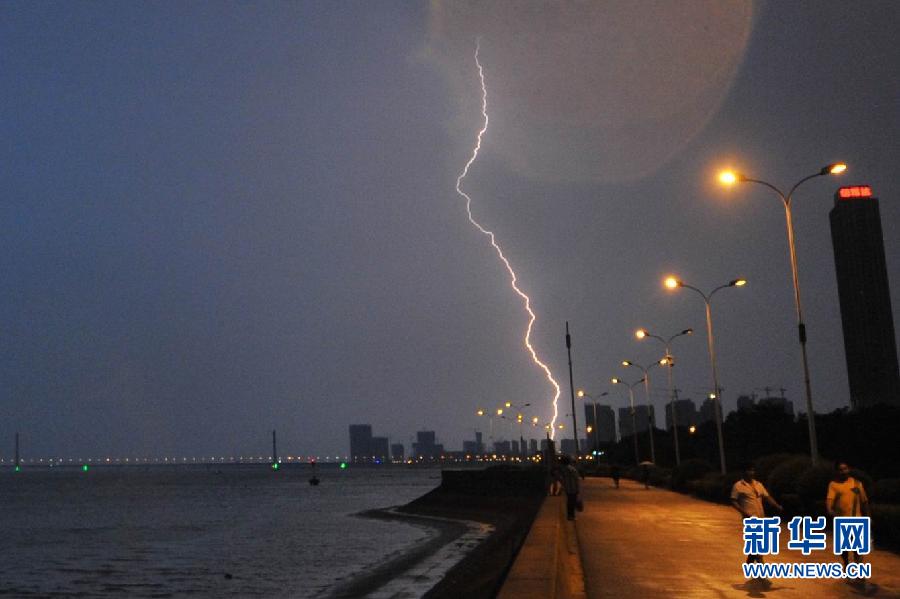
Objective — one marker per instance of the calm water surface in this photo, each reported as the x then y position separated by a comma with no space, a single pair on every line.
239,531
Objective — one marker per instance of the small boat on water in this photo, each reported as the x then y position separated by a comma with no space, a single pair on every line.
314,480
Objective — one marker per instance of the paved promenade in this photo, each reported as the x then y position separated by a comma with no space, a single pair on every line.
637,542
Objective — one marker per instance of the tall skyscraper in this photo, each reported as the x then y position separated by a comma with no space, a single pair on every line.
707,411
685,413
425,448
643,415
360,442
869,343
603,430
379,449
397,453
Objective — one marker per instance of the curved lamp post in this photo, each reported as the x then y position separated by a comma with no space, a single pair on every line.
631,386
651,416
581,395
519,419
675,283
670,362
730,178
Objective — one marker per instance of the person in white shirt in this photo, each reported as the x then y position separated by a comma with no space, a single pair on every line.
747,496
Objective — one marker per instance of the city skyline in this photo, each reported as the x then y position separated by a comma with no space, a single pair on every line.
227,221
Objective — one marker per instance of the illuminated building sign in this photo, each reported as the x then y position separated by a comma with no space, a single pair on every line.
855,191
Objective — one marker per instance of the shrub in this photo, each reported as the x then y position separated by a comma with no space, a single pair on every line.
660,477
864,478
712,487
886,525
688,470
765,464
783,478
633,472
792,505
812,486
887,490
602,469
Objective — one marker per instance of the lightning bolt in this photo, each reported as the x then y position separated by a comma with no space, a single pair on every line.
490,234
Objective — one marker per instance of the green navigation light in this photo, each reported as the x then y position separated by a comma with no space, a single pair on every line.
18,468
343,465
84,468
276,466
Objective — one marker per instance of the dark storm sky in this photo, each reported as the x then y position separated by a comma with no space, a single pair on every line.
230,217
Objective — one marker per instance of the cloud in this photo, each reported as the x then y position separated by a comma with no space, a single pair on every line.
595,91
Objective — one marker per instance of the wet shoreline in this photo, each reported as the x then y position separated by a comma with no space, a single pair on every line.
481,519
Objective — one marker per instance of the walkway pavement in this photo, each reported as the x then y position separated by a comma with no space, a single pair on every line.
638,542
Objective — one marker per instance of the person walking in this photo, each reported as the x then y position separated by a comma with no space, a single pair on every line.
571,485
747,496
616,473
846,496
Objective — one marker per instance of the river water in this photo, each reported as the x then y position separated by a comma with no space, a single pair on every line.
223,531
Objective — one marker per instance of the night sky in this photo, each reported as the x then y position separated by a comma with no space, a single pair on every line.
223,218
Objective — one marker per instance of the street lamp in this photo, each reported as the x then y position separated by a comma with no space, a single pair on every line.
631,387
670,362
675,283
651,417
519,418
581,395
730,178
481,412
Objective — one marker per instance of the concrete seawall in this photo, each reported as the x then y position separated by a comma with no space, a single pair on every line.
548,565
508,498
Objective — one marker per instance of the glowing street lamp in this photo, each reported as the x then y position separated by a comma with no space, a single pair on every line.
651,417
631,386
729,178
675,283
481,412
670,362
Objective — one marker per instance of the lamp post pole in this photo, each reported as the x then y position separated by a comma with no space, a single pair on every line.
572,392
670,362
674,283
519,418
651,416
831,169
615,381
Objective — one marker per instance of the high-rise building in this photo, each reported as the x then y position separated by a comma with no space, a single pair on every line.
532,446
707,412
360,442
425,447
397,452
685,413
745,403
778,403
567,446
868,323
643,415
603,430
379,448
